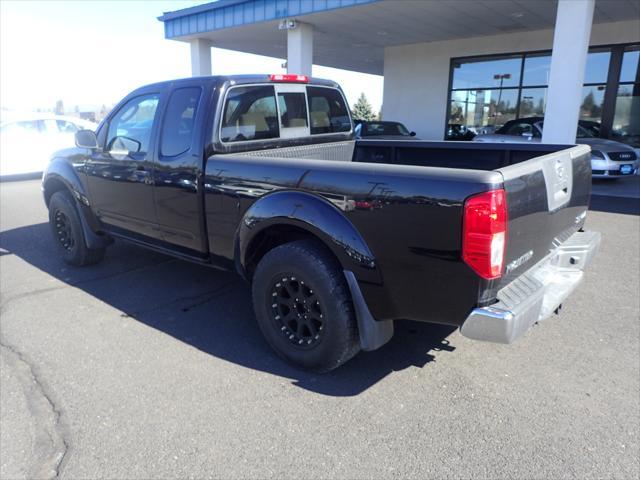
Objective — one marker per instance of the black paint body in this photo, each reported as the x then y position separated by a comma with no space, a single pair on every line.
392,216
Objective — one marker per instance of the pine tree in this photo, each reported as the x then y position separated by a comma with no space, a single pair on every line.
362,109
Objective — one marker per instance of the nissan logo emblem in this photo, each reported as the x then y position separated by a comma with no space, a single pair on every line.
559,169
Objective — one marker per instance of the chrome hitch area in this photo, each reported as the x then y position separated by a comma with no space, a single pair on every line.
536,294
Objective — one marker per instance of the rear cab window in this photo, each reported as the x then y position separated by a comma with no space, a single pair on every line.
292,106
250,113
327,110
284,110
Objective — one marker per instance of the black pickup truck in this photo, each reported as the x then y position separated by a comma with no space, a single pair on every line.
261,174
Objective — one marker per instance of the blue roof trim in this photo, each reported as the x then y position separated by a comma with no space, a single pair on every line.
235,13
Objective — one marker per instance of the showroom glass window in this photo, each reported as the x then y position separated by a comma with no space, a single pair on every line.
626,120
486,92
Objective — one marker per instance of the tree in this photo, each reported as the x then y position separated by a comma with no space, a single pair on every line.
588,104
362,109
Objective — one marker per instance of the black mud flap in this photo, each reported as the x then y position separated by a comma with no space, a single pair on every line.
373,334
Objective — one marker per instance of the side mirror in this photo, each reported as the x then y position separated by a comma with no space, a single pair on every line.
527,135
86,139
412,134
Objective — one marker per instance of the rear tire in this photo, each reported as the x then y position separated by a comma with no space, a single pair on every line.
303,306
68,235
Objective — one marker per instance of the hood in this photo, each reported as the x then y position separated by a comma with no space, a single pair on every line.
605,145
498,138
601,144
388,137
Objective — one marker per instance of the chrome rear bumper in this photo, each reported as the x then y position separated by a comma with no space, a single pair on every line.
536,294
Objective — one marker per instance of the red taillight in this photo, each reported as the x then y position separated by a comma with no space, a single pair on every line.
289,77
484,233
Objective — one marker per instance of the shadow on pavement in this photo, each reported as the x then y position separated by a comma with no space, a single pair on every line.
624,205
211,311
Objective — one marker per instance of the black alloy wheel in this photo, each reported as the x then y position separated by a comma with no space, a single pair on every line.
63,229
297,311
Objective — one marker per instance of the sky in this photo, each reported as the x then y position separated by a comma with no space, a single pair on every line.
94,52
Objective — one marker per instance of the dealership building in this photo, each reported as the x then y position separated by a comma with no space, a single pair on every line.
475,63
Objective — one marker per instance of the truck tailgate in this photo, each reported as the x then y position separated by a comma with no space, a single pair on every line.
547,200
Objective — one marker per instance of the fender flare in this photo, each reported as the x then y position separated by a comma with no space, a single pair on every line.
59,171
315,215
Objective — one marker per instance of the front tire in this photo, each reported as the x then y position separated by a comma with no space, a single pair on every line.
67,232
304,308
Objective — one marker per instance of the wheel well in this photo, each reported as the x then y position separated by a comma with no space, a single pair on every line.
52,186
273,237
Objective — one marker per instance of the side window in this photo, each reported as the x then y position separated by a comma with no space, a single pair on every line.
519,129
293,110
49,126
250,113
374,129
66,127
328,111
130,129
177,127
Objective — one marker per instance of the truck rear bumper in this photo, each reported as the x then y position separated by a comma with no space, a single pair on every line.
536,294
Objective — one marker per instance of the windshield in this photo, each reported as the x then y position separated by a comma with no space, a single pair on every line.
592,128
582,132
386,128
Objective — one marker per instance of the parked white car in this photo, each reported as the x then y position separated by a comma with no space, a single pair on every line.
27,142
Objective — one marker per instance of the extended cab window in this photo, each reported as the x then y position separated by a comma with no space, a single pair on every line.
293,110
328,111
177,128
250,113
130,129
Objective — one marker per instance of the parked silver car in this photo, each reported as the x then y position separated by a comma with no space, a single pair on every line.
609,159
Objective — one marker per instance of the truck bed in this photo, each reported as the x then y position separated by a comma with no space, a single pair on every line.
422,153
405,198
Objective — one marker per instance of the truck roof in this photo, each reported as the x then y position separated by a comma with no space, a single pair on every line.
236,80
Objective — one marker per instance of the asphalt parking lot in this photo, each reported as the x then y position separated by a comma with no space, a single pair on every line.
149,367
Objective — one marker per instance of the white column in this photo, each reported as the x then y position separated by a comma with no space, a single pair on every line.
200,57
568,60
300,49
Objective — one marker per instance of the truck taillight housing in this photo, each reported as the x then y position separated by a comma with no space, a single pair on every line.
289,78
484,233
